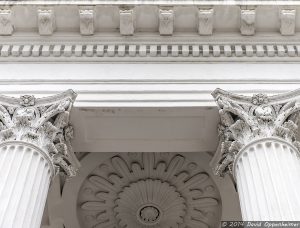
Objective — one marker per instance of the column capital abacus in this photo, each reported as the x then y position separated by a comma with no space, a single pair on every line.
42,122
245,119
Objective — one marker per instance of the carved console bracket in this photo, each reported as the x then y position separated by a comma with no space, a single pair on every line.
288,22
247,22
192,17
127,22
46,21
245,119
166,21
86,17
205,26
43,122
6,26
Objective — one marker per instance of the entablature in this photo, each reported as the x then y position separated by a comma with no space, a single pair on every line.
104,31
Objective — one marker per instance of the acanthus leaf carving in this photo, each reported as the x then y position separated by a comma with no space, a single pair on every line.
43,122
245,119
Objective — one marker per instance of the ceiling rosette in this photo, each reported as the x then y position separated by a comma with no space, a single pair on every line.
141,190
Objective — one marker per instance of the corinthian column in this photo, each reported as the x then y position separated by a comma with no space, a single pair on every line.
260,150
34,146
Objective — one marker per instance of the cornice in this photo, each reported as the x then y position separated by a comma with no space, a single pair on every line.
149,2
148,33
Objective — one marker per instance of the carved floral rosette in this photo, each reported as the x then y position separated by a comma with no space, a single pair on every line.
43,122
141,190
245,119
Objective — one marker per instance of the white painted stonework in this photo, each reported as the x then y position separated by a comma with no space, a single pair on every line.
151,146
259,148
162,190
260,172
34,147
190,199
25,179
155,31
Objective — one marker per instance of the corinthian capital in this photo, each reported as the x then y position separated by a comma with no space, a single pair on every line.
43,122
245,119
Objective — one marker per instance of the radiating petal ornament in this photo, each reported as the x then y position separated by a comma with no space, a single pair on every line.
151,203
148,190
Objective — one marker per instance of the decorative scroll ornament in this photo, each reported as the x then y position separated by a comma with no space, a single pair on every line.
244,119
148,190
43,122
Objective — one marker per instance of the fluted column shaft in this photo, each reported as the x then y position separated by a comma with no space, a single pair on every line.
34,146
260,147
25,174
267,173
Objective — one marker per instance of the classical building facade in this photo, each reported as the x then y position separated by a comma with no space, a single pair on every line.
159,114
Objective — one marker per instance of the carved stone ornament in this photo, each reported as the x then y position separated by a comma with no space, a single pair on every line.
6,26
245,119
247,22
166,21
205,26
43,122
127,22
288,22
141,190
86,17
46,21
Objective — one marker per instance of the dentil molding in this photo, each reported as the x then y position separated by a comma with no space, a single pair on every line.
153,52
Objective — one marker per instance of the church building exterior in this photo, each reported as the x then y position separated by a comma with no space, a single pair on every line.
149,113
